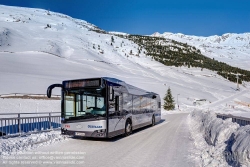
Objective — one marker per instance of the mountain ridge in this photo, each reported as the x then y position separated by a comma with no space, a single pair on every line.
226,48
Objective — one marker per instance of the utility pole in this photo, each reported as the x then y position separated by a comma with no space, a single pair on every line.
237,76
177,101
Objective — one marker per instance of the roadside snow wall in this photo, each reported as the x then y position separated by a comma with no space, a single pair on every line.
20,144
226,143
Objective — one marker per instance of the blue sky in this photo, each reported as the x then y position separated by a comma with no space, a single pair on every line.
192,17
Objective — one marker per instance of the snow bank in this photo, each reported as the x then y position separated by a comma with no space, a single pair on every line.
216,131
24,143
240,149
210,135
219,142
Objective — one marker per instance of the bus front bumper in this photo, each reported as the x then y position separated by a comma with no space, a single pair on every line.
97,133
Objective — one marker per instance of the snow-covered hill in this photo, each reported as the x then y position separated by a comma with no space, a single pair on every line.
39,48
230,48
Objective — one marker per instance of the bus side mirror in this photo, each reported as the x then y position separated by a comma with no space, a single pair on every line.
153,97
49,90
111,93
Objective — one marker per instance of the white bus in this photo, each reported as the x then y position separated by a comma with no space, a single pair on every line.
105,107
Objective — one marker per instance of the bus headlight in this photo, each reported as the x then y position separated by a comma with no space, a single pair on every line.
99,133
100,130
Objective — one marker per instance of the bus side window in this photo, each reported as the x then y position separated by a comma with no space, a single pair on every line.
127,103
136,104
117,103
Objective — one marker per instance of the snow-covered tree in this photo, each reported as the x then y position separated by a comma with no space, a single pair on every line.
168,100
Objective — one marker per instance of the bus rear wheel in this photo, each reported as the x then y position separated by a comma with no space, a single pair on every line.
128,128
153,121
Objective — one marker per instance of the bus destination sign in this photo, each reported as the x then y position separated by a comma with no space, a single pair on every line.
82,83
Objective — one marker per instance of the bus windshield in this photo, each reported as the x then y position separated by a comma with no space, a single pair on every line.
81,105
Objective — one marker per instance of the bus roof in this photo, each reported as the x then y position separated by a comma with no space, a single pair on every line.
111,82
130,88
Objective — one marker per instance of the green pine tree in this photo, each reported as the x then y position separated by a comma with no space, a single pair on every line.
168,100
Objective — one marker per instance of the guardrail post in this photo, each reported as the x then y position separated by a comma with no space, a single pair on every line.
19,124
49,120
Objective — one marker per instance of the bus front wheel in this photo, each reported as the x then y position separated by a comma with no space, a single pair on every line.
128,128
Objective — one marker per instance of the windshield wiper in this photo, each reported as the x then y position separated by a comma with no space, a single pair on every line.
90,115
87,116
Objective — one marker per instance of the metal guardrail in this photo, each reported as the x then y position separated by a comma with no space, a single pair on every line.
15,124
27,95
242,121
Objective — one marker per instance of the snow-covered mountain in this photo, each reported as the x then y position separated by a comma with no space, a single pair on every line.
24,29
231,48
39,48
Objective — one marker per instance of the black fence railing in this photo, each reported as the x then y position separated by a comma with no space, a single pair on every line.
29,96
242,121
14,124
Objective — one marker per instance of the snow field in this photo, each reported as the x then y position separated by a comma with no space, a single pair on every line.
29,106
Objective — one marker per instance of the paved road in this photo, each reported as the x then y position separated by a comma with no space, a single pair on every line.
166,144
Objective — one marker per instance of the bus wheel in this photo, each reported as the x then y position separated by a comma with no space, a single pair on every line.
128,128
153,121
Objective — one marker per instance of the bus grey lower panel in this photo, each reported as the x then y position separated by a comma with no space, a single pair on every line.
116,133
141,125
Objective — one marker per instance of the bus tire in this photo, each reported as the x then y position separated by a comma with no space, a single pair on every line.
128,128
153,121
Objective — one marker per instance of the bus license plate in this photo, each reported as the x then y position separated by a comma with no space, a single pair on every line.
79,134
